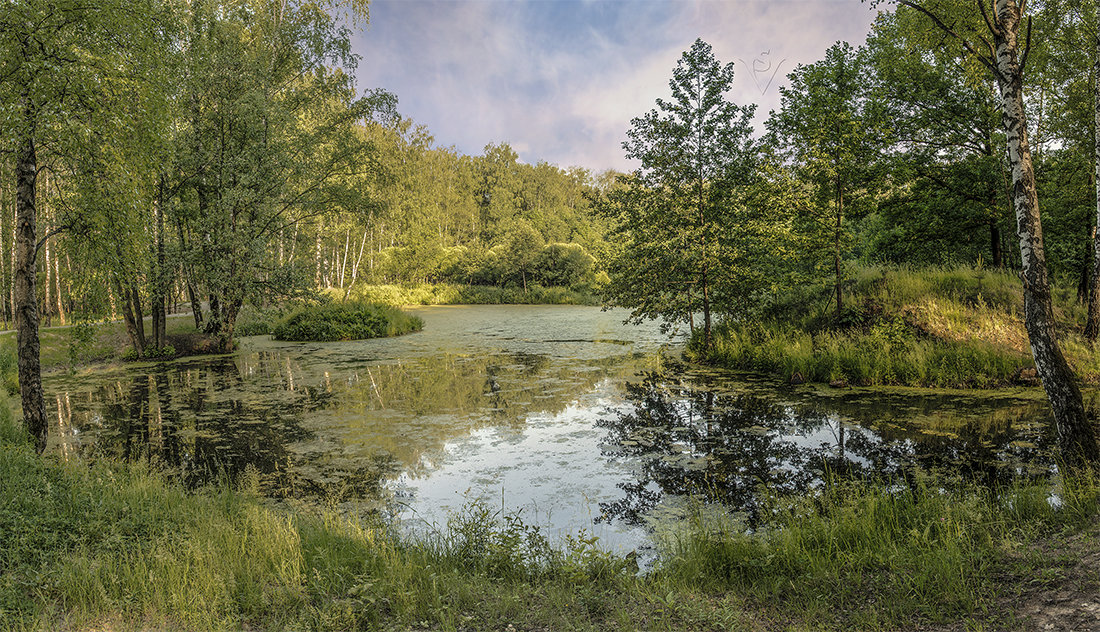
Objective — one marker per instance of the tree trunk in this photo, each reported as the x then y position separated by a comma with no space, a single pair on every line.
57,290
139,316
158,295
1084,279
196,305
836,250
995,244
1092,325
213,324
46,216
1076,436
135,329
26,303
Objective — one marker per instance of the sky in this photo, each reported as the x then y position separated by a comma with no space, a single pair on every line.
560,80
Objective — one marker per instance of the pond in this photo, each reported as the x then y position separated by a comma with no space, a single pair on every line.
560,413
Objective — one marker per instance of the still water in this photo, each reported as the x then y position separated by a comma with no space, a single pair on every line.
560,413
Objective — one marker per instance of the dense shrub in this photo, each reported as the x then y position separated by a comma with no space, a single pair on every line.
353,320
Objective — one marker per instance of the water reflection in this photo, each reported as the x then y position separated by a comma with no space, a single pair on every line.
686,437
531,403
340,432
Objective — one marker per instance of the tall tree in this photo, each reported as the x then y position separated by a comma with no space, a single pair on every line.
680,212
826,128
946,162
56,58
270,137
1003,53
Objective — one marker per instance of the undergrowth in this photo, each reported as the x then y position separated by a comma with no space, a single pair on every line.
109,545
953,328
351,320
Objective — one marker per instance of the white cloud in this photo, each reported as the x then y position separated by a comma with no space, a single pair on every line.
560,89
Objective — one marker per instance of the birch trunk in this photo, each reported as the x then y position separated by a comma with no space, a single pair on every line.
23,294
1076,435
57,290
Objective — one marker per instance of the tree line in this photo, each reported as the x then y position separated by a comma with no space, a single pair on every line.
932,143
218,152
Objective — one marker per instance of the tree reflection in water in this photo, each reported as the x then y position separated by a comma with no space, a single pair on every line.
200,425
687,438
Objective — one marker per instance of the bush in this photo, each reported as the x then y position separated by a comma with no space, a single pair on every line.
352,320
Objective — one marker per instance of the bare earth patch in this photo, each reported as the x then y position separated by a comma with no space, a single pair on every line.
1066,594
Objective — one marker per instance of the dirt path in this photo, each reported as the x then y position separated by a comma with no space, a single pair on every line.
1064,595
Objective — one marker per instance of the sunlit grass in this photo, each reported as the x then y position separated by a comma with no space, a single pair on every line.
451,294
955,328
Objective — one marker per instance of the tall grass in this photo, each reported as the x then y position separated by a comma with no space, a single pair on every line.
940,327
868,358
115,546
882,553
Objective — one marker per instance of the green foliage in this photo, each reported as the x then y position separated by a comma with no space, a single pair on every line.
352,320
449,294
81,338
891,553
686,233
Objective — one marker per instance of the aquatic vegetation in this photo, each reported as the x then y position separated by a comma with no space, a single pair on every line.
352,320
110,544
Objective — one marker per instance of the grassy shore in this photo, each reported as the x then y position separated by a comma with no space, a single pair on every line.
451,294
70,346
114,546
953,328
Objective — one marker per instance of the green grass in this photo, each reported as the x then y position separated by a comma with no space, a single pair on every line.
866,357
66,347
117,546
451,294
955,328
880,555
351,320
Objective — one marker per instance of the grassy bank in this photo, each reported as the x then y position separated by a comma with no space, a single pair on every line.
450,294
953,328
119,547
68,347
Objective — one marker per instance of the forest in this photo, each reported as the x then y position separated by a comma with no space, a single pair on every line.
920,210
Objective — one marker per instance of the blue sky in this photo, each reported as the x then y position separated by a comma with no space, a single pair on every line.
559,80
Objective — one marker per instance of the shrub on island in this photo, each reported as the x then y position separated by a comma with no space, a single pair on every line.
352,320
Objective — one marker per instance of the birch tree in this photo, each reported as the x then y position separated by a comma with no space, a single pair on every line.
1003,48
56,58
